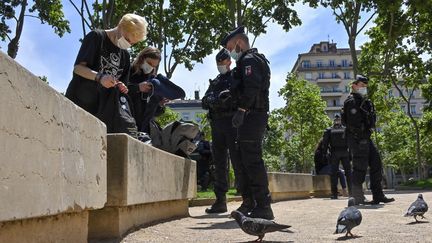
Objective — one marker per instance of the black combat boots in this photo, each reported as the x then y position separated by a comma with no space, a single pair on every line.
263,209
219,206
247,205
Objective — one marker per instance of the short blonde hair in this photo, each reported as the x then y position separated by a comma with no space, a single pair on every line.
134,24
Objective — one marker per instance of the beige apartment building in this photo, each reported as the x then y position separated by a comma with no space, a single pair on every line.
331,69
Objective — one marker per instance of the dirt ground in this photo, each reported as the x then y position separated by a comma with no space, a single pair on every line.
312,220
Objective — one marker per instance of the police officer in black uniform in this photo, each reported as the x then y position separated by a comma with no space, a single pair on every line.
252,95
221,106
334,140
359,118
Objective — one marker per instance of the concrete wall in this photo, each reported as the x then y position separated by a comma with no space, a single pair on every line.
285,186
139,176
52,155
321,186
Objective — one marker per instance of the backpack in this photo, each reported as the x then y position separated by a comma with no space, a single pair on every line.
116,113
177,137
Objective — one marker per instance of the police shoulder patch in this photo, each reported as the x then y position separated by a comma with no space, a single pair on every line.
248,70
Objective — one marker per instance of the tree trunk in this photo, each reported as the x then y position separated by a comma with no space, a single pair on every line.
239,14
351,42
14,43
231,12
404,179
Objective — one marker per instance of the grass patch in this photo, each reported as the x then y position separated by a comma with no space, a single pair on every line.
425,184
210,194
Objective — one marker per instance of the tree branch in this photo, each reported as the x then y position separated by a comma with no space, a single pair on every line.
81,14
88,13
338,16
33,16
370,18
265,22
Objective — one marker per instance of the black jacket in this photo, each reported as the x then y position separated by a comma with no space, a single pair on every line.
358,116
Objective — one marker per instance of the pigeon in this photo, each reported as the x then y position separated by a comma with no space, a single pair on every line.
417,208
257,226
348,219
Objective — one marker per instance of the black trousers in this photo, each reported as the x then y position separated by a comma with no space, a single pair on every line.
251,172
337,157
364,155
223,140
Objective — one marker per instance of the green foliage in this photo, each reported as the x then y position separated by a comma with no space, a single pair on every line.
425,184
210,194
296,129
399,55
48,11
44,78
205,126
187,31
167,117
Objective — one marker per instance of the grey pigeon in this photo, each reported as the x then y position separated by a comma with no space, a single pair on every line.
417,208
257,226
348,219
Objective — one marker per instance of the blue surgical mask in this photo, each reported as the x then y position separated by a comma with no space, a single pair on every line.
235,55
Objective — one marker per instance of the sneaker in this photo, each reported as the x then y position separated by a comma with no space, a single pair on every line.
263,213
217,207
382,199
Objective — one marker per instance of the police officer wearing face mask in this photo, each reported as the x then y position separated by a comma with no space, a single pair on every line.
221,106
252,95
334,140
359,118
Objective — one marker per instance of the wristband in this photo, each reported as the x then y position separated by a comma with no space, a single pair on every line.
99,76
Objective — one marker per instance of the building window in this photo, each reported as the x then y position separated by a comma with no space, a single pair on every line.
334,75
332,63
320,75
308,76
347,75
413,109
325,48
306,64
319,63
344,63
334,102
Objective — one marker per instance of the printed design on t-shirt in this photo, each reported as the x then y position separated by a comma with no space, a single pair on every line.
111,65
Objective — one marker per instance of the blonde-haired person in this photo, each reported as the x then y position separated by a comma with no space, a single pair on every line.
148,90
103,62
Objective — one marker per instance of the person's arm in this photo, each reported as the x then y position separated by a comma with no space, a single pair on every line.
326,141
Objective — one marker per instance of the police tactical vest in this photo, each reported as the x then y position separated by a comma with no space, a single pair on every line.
337,138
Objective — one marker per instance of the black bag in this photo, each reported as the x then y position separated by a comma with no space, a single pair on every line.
116,113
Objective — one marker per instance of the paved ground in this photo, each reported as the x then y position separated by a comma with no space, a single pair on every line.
312,220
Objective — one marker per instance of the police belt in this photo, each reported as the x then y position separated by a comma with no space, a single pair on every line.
219,114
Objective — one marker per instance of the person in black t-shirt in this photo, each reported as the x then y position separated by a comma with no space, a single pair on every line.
103,61
149,92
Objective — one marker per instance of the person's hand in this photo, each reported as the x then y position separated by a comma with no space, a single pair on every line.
122,87
108,81
238,118
163,101
145,87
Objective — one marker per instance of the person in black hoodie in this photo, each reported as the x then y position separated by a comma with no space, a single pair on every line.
148,90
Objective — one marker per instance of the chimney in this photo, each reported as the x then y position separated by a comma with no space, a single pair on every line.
197,95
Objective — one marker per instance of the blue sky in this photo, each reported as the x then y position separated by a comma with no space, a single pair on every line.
44,53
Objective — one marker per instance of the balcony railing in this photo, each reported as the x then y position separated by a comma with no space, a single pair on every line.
324,66
331,92
325,79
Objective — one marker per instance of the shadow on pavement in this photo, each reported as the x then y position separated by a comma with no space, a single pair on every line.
419,222
211,226
267,241
376,206
344,238
211,216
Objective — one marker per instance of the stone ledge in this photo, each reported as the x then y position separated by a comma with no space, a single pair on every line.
114,222
285,186
321,186
209,201
53,153
70,227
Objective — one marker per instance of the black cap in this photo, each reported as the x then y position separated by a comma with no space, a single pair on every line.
337,116
230,35
222,55
361,78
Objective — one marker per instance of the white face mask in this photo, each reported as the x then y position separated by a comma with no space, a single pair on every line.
222,69
147,68
362,91
123,43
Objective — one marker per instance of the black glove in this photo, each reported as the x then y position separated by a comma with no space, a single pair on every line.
238,118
